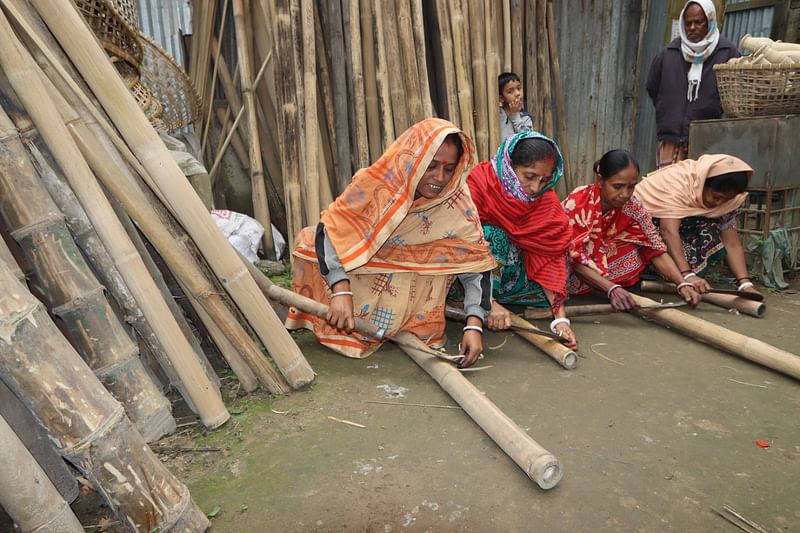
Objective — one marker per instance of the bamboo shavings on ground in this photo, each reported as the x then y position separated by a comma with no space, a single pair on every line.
346,422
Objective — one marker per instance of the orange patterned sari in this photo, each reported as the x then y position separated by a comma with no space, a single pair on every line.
400,254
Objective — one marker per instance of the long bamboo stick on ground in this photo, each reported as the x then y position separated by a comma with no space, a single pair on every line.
19,67
370,83
417,20
555,350
311,173
95,68
26,493
260,204
728,301
72,292
571,311
540,465
724,339
561,108
450,89
382,77
482,100
84,422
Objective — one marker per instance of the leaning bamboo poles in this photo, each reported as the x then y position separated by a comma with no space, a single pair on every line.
71,290
260,205
100,75
724,339
87,426
19,67
27,494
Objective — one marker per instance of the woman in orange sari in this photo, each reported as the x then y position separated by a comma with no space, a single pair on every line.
388,248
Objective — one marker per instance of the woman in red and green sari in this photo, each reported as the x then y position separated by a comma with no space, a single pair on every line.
525,227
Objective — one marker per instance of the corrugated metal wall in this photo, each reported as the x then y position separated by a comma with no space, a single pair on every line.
598,44
165,21
757,22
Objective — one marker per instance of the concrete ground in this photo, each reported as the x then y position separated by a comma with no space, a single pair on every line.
654,431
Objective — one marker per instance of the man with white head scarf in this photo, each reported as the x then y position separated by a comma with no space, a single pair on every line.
681,81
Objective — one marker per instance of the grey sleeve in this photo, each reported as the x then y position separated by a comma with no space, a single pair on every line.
521,122
477,293
329,264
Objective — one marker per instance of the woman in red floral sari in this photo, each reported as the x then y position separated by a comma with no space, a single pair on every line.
613,236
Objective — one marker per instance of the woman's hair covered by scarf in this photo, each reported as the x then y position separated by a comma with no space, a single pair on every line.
504,166
676,191
696,53
381,196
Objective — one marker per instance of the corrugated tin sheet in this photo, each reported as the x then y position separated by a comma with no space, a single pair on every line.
756,22
165,21
597,50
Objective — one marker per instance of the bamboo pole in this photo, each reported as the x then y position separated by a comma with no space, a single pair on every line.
95,68
543,66
8,258
538,464
72,292
482,99
370,83
554,349
297,57
260,204
462,64
561,109
408,63
362,142
506,35
234,106
517,15
203,26
311,174
210,102
723,338
27,494
492,72
450,88
571,311
418,22
382,77
102,263
290,138
727,301
84,422
339,87
19,67
176,256
394,61
531,54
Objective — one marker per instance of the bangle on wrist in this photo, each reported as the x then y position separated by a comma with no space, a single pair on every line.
746,285
612,289
682,285
473,328
686,271
689,275
558,321
341,293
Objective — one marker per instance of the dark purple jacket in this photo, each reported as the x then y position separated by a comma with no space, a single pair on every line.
667,86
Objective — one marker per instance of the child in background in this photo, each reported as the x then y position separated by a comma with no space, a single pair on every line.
514,118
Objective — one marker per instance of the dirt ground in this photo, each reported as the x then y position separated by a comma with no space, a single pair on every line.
654,432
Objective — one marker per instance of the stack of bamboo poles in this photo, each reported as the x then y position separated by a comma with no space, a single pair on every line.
335,94
93,340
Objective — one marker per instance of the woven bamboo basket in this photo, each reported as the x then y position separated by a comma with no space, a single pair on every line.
750,90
